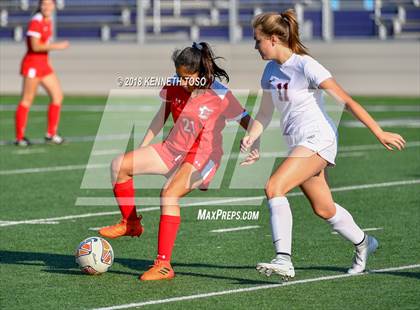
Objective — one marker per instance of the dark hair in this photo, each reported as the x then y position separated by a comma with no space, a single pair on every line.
285,26
38,8
200,58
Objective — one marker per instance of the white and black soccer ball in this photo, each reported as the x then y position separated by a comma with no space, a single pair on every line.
94,255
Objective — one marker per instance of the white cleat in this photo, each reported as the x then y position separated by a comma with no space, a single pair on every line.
55,139
369,245
280,266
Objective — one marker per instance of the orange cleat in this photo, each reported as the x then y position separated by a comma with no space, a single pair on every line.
161,270
131,228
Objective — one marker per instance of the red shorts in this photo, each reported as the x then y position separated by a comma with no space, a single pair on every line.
206,164
33,68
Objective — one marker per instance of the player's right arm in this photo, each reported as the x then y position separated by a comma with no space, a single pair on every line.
157,124
39,47
261,121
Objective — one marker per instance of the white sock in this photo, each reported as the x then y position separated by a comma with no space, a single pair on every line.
343,223
281,225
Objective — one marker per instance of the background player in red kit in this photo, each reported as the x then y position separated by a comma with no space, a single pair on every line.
189,155
36,70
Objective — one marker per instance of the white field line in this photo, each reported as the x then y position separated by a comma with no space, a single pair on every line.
376,146
185,202
94,228
392,122
364,229
78,139
34,223
346,151
190,202
108,137
392,108
52,169
29,151
254,288
106,152
33,120
351,154
234,229
90,108
205,203
151,107
7,223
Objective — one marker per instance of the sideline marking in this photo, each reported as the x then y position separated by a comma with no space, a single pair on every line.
234,229
205,203
254,288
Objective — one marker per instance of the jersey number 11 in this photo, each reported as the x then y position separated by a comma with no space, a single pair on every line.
282,88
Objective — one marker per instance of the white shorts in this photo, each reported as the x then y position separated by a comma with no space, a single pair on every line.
319,137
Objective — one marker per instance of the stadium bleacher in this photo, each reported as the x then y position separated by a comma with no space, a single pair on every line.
174,19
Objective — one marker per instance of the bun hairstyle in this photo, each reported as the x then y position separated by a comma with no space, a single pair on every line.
283,25
200,58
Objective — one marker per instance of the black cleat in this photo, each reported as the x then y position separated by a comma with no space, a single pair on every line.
23,143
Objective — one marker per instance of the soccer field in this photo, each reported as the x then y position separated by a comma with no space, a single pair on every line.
44,217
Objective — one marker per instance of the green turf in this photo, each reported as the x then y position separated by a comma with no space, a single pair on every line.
37,263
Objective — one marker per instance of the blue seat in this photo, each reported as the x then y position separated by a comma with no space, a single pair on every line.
316,18
354,23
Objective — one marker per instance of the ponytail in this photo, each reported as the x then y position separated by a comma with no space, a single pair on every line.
295,44
200,58
283,25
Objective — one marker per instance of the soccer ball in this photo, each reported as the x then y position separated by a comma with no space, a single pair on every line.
94,255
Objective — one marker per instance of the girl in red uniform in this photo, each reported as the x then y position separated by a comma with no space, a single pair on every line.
36,69
190,154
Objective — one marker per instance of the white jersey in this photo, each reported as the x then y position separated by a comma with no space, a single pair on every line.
294,86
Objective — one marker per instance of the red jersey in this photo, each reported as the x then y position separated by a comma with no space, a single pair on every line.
41,28
199,120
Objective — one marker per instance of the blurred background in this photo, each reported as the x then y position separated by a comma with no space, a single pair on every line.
371,46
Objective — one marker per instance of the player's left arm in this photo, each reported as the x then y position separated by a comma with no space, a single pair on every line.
246,122
388,139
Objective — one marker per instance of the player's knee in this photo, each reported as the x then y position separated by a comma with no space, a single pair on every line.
323,211
27,100
117,164
170,210
169,192
275,188
169,197
58,98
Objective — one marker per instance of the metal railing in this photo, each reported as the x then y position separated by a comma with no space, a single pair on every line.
227,13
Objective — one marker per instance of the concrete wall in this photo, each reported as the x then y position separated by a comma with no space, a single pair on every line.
362,67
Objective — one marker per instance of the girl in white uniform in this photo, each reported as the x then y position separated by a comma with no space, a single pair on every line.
292,82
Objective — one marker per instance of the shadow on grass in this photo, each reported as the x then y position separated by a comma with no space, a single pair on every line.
324,268
408,274
54,263
65,264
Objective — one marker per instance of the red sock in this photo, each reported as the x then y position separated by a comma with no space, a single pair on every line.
125,196
21,118
168,228
53,118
